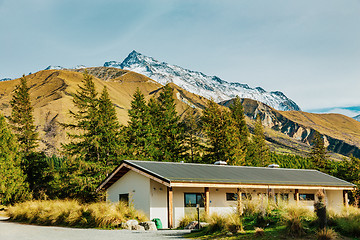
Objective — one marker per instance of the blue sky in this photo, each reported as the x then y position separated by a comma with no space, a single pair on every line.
310,50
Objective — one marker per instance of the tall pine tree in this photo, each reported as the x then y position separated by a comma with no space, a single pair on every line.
111,144
22,118
259,153
318,154
33,162
168,132
241,131
84,135
94,144
139,131
219,129
192,140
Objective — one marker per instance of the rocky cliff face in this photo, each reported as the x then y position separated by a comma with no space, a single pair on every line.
277,121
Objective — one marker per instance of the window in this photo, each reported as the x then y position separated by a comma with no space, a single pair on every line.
284,196
124,198
191,199
233,196
307,197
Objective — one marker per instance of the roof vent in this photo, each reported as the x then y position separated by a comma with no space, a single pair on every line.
220,163
273,165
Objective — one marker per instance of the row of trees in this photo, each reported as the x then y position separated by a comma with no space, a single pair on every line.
97,143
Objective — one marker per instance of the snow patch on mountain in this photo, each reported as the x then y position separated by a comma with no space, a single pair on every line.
211,87
52,67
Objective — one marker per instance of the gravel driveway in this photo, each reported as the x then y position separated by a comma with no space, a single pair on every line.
16,231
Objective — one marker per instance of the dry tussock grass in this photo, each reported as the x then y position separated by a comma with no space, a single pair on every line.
72,213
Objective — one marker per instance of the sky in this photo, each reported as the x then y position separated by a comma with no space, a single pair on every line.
309,50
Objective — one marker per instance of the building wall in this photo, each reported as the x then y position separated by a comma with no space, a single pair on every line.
138,187
335,200
219,203
158,202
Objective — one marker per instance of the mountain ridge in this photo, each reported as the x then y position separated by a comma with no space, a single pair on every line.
211,87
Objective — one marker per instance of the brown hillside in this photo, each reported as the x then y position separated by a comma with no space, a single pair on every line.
341,133
51,91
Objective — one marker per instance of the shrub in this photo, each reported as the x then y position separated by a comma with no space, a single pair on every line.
326,234
193,216
72,213
296,218
217,222
235,223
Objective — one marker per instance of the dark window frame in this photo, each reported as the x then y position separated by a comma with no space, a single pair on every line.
197,195
233,196
124,197
306,197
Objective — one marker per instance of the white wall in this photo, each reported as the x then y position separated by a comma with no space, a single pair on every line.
158,202
138,187
335,200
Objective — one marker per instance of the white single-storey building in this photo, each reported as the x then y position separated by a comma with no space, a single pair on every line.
168,190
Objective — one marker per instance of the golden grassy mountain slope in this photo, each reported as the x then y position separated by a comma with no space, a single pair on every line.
334,125
341,133
51,95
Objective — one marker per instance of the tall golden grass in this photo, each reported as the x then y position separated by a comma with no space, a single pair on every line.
72,213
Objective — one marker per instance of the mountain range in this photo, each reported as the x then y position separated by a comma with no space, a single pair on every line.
286,131
210,87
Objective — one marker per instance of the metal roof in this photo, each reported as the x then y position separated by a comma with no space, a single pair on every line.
207,173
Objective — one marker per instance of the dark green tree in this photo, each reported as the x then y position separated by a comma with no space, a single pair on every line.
13,186
237,113
240,131
84,135
259,153
192,139
220,135
111,144
318,153
32,162
168,132
22,118
139,131
94,145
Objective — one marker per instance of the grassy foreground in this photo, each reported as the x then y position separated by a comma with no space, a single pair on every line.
263,220
73,214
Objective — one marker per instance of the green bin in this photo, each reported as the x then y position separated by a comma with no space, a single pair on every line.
157,222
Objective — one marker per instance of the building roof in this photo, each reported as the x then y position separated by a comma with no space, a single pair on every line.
172,172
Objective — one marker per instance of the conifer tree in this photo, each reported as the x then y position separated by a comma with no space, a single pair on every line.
22,118
318,154
259,153
110,144
95,141
240,132
13,186
217,124
85,138
32,163
139,130
237,113
169,131
192,143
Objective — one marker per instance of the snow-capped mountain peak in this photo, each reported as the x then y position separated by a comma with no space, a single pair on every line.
211,87
53,67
